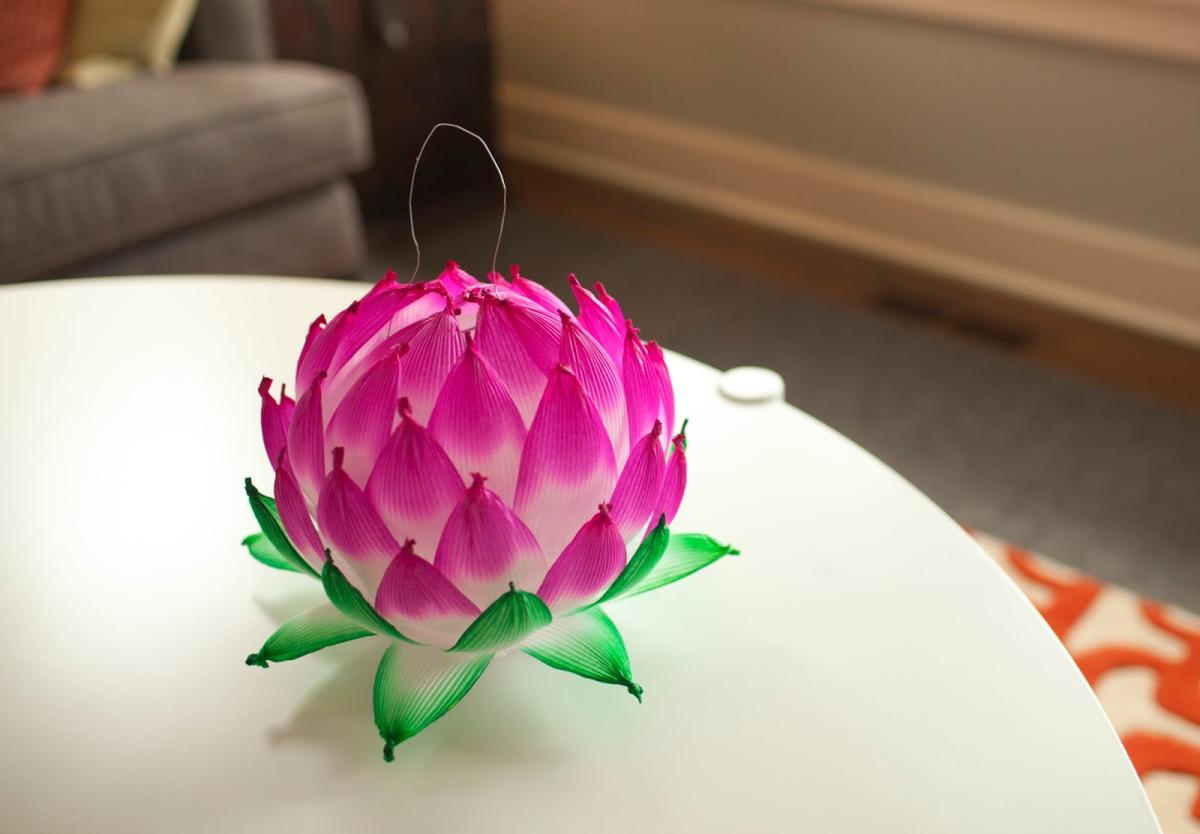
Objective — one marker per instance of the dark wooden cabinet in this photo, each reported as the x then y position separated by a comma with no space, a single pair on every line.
420,62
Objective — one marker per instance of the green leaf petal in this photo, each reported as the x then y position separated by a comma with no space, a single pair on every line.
350,601
260,548
417,685
267,515
586,644
644,559
686,553
506,621
307,632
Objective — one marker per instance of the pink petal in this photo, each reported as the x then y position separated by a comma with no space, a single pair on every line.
386,309
639,488
363,421
537,330
536,293
598,321
384,323
421,602
461,287
319,353
608,301
484,546
499,280
599,378
287,407
314,330
586,566
352,527
436,345
675,481
659,363
387,282
643,389
478,425
455,279
293,512
521,345
567,462
414,485
275,418
306,441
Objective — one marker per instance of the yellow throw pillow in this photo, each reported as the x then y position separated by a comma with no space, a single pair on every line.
114,39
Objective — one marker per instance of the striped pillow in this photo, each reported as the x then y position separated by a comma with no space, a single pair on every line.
32,36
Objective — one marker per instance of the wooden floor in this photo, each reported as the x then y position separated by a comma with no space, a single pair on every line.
1162,370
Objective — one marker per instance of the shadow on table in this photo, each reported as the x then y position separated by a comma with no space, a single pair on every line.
495,723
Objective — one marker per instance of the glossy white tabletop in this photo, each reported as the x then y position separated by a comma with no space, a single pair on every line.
862,667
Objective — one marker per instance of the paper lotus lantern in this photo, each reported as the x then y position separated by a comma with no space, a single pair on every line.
470,468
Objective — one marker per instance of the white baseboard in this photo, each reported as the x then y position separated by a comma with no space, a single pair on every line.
1104,272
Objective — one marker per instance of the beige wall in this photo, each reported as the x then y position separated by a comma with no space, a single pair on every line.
1085,134
1090,133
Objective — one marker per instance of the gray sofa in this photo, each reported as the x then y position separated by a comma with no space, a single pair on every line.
233,163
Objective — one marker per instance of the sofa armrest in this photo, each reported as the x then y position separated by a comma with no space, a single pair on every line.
232,30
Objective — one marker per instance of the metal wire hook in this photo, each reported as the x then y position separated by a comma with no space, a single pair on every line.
412,227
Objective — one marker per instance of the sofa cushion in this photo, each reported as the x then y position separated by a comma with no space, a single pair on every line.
315,233
83,173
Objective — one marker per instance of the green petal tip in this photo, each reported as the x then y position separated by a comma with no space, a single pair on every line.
634,690
389,753
256,660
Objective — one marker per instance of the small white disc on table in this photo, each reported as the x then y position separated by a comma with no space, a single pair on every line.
752,385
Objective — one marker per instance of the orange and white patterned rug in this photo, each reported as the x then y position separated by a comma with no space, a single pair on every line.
1142,659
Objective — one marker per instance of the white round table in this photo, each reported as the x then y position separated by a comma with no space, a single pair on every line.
862,667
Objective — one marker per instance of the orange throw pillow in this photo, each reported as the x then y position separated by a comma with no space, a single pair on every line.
32,36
